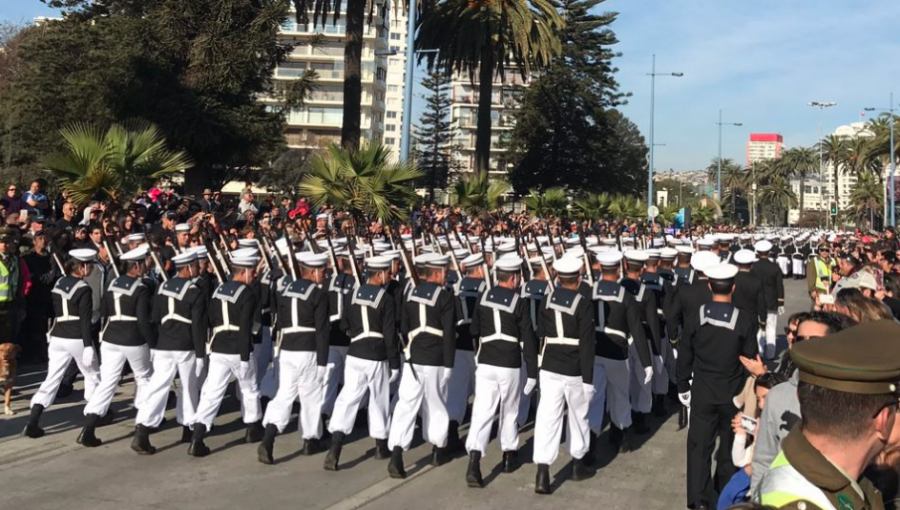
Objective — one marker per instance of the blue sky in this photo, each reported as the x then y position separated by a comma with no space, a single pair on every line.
760,61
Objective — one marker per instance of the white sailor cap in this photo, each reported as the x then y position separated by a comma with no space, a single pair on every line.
182,227
136,238
568,266
652,254
393,254
609,258
762,246
281,244
248,243
83,254
536,261
509,263
668,253
379,262
244,253
184,259
725,238
573,241
433,260
574,252
702,260
200,251
658,242
721,271
244,261
684,249
599,249
591,241
310,259
461,253
380,246
547,251
744,257
609,242
322,216
636,256
472,260
139,253
705,243
506,247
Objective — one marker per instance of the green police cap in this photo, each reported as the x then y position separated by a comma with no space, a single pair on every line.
864,359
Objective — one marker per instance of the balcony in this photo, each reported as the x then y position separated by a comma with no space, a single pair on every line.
307,139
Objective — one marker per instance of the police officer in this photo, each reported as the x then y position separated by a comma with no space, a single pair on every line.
11,284
502,324
231,313
126,336
709,375
818,273
773,288
373,361
428,321
179,311
748,291
566,376
302,347
69,337
642,367
848,396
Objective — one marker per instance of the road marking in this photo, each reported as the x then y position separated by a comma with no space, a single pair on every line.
382,488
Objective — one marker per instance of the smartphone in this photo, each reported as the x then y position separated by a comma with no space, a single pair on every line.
748,424
826,299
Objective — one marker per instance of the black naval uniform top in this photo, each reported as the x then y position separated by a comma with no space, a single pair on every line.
236,302
340,287
301,319
267,304
683,275
618,318
667,275
125,311
709,350
749,296
179,310
468,294
394,289
650,311
370,322
433,342
687,300
72,306
569,352
515,340
772,280
657,283
535,291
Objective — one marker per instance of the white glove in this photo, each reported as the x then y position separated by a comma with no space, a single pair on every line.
87,357
529,385
395,374
685,398
152,355
445,376
198,367
648,375
320,374
245,369
780,310
589,391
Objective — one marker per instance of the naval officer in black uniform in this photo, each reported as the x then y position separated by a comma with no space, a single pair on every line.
710,374
773,288
748,291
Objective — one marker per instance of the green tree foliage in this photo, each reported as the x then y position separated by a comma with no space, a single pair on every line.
477,194
551,202
286,172
801,162
434,133
866,199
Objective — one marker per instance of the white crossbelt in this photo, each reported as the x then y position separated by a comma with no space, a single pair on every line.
366,332
65,317
118,317
423,328
557,340
498,331
226,326
172,316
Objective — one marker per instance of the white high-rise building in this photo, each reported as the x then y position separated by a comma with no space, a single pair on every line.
396,78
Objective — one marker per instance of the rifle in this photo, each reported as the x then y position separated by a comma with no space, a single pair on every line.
587,260
352,256
112,257
292,257
485,268
452,254
53,250
414,277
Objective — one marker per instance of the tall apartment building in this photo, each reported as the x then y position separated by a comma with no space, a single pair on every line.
318,122
763,146
396,78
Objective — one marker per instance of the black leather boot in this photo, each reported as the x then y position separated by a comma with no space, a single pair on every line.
382,452
87,437
439,456
198,448
580,470
186,434
659,406
108,418
589,457
625,447
453,443
473,473
640,424
141,443
395,466
542,480
311,447
615,435
334,453
254,432
510,461
33,429
264,451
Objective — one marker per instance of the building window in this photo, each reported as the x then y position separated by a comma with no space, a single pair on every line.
392,115
393,88
390,127
390,141
395,48
395,36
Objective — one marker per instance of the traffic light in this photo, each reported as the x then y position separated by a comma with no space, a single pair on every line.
833,208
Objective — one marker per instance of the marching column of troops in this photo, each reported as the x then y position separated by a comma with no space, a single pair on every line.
579,328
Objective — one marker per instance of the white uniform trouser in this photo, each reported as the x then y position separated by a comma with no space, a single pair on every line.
165,365
461,385
263,353
557,393
799,267
334,376
425,394
268,386
297,378
60,352
524,400
221,368
113,358
638,391
611,379
494,385
361,377
768,348
783,264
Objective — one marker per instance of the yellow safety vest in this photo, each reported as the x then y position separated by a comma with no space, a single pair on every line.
783,485
6,283
823,275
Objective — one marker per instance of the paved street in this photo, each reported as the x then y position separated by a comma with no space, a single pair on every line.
54,472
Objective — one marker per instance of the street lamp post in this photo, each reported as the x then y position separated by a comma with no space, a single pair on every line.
719,170
890,110
821,105
653,74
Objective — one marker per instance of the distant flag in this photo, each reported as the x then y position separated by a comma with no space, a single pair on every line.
862,113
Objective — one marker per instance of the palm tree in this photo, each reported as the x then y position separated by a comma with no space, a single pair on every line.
866,197
778,197
476,194
734,180
593,205
483,38
801,162
115,164
551,202
861,156
363,182
703,215
834,151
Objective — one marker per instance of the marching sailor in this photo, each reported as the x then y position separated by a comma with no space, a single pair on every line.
340,288
428,321
180,349
231,313
126,336
654,281
534,291
642,367
566,375
69,337
502,324
773,288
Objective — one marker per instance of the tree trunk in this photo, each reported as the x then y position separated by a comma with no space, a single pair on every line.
483,131
837,201
350,126
801,198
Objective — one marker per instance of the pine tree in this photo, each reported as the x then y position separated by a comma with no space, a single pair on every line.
433,135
